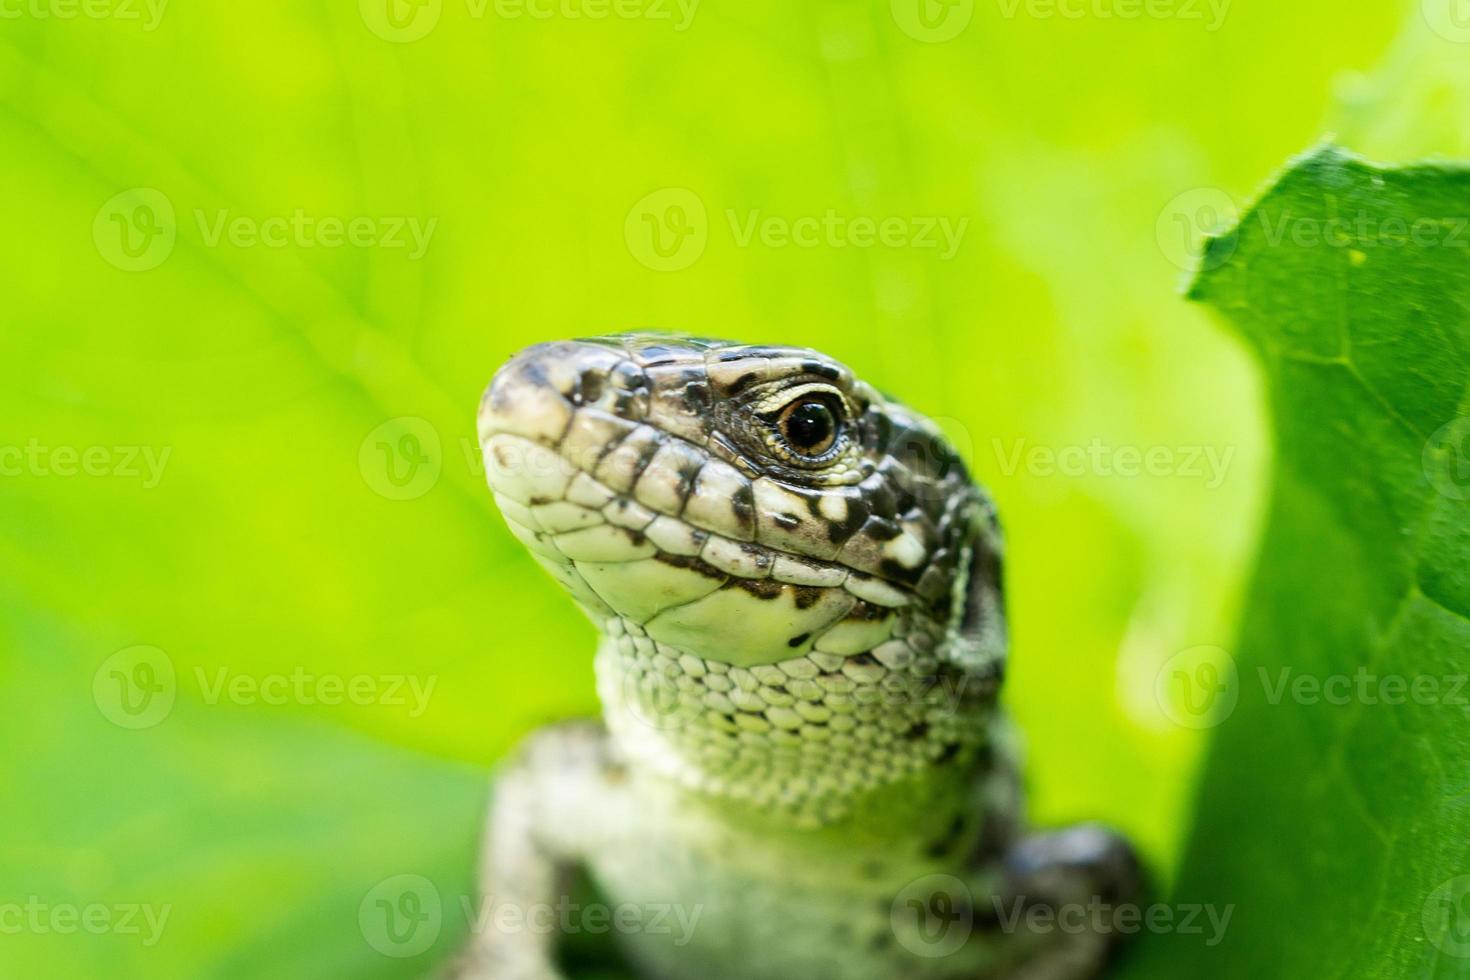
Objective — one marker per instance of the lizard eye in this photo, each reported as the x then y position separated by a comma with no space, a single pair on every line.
809,425
806,425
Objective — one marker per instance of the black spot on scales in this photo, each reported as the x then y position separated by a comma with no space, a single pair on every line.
857,515
866,611
646,452
879,498
696,396
882,529
821,370
761,588
807,595
797,641
741,383
891,569
742,502
687,471
692,564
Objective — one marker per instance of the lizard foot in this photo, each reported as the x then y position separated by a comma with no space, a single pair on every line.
1066,887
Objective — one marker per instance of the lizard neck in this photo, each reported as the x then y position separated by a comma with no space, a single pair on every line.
816,738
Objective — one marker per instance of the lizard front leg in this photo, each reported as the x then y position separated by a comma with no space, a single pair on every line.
1076,869
543,802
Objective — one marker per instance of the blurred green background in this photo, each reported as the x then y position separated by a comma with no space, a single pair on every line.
238,472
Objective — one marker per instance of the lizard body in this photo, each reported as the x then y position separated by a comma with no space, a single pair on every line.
798,588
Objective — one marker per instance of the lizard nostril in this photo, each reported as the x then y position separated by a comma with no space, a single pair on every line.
590,387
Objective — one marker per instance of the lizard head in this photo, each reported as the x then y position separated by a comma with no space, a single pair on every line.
745,504
796,582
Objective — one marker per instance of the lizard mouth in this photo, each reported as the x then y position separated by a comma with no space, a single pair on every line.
640,519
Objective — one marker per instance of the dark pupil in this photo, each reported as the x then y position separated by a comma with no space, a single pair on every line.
810,426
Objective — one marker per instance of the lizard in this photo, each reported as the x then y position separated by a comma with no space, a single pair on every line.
798,592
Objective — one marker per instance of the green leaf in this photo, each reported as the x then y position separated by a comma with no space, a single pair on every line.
271,542
205,844
1333,811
